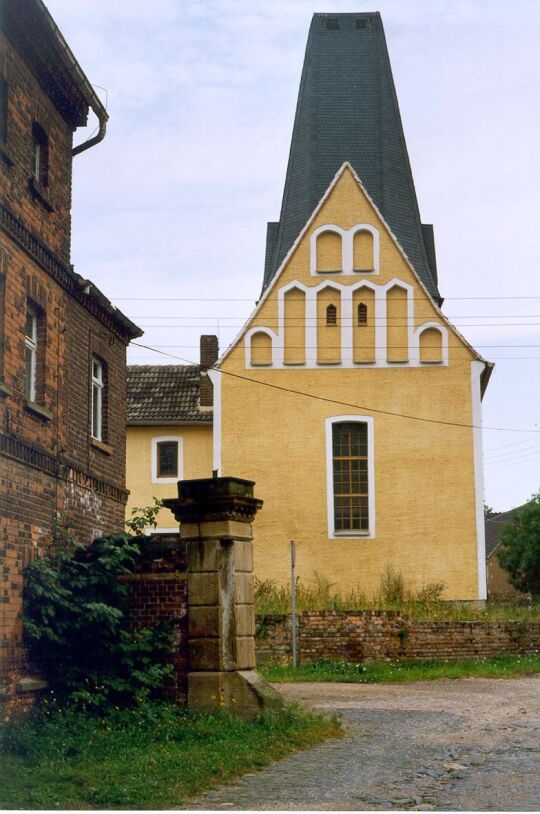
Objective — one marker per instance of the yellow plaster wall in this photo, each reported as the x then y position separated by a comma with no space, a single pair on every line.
197,455
424,477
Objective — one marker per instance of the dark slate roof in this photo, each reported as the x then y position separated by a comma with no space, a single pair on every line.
493,526
164,394
347,110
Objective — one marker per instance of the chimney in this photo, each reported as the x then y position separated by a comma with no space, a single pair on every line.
209,352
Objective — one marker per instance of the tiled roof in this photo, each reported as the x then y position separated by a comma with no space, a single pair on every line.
165,394
348,111
494,525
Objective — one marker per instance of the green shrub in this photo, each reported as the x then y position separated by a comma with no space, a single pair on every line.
519,552
76,625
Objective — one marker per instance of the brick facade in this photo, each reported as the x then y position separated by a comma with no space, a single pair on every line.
49,462
382,635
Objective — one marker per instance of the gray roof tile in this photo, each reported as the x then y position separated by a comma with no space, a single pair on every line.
165,394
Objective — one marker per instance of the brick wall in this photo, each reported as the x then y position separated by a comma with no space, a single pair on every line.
49,463
158,593
355,636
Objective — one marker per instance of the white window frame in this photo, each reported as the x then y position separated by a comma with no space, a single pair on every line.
329,424
37,148
97,388
31,344
154,458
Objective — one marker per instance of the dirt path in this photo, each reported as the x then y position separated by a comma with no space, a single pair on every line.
467,745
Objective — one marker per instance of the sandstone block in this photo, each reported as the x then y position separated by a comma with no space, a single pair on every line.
245,652
245,620
203,588
244,589
204,621
205,654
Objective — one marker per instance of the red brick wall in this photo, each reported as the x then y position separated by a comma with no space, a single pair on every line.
48,462
355,636
158,593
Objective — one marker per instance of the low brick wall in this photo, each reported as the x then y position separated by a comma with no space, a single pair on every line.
385,635
158,593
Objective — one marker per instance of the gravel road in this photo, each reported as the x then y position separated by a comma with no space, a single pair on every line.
465,745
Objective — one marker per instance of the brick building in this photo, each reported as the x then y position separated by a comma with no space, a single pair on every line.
62,343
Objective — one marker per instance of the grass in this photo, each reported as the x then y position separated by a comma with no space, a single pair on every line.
152,757
423,604
405,671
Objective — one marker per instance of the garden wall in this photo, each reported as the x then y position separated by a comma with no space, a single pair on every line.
383,635
158,593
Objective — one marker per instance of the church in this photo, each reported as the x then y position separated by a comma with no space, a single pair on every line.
348,396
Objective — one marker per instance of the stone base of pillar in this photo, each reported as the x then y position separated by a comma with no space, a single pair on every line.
242,692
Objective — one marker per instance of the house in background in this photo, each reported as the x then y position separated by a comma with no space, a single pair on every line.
498,584
169,430
62,343
348,397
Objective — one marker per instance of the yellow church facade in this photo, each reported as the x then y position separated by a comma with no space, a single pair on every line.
348,397
354,405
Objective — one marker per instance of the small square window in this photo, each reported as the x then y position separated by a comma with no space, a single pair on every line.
167,459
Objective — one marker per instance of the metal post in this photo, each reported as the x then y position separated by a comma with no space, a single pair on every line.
293,609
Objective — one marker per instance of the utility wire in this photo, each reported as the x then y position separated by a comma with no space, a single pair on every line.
419,297
336,401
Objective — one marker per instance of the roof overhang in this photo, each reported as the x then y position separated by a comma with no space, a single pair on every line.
33,32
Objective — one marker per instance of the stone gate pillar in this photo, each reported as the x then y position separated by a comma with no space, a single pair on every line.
215,516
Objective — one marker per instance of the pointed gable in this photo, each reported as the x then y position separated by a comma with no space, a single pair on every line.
347,111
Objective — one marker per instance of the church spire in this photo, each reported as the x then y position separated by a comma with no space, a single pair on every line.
347,110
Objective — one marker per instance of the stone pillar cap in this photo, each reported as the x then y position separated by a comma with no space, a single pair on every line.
225,498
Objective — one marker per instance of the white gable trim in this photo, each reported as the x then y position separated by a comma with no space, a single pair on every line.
273,282
477,368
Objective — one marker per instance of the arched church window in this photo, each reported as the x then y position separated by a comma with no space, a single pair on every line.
331,315
362,314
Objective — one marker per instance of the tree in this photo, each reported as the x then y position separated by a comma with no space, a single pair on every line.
489,511
519,552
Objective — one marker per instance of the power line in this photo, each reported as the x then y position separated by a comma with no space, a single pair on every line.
320,322
371,347
301,299
503,446
336,401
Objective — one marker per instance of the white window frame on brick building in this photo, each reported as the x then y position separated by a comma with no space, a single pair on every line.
98,385
31,350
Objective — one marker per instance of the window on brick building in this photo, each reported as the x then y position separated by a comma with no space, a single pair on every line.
98,398
31,351
40,155
3,109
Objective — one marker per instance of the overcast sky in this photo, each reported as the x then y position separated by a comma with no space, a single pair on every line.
173,204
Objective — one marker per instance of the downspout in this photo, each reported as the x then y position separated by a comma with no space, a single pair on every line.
80,148
82,82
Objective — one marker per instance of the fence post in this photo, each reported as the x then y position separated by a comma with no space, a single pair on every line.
293,607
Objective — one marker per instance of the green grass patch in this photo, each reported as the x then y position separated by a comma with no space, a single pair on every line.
405,671
150,757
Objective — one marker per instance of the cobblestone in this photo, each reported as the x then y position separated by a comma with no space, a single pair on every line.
469,745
